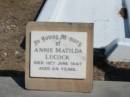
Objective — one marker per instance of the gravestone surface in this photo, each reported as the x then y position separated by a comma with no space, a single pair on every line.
59,56
109,25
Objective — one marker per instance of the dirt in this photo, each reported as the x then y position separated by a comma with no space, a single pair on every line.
14,15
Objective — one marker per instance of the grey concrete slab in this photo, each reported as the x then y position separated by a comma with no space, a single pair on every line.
10,88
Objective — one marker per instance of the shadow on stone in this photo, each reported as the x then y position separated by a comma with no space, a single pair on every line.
112,73
17,76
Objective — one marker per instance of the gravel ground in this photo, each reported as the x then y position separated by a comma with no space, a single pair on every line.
14,15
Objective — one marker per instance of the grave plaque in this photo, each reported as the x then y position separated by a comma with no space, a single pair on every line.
59,56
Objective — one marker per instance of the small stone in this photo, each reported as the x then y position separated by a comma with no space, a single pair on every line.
17,53
8,27
5,54
13,26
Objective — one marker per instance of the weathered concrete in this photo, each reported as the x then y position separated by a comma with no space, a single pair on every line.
10,88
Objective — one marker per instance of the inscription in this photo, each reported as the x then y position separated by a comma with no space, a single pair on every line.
58,54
